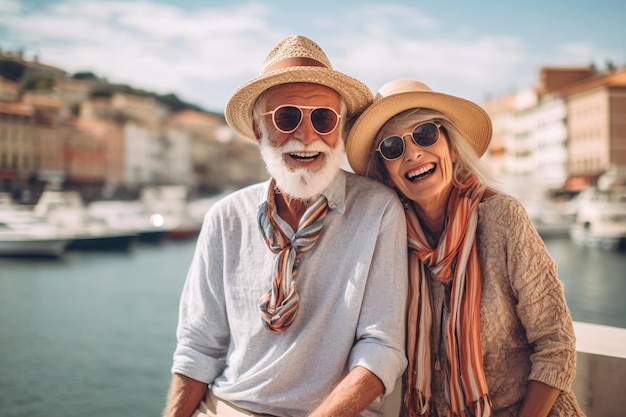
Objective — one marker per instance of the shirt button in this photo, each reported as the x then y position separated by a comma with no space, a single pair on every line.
333,206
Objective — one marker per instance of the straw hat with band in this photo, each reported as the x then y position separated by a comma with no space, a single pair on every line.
295,59
397,96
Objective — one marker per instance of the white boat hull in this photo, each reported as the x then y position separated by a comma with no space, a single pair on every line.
583,237
33,247
601,219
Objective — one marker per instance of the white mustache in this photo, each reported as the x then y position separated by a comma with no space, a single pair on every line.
297,146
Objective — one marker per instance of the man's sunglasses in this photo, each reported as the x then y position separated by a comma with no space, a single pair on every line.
288,117
393,147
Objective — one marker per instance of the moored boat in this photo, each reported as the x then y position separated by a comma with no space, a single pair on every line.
133,215
65,209
171,202
549,218
24,234
601,219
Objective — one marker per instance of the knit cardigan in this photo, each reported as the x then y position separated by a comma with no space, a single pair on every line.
526,326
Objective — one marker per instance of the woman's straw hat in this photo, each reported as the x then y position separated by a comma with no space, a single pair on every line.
400,95
294,59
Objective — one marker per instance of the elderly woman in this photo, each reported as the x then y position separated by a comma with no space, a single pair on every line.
489,332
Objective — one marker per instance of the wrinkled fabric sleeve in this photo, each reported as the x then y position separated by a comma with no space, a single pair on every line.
203,333
380,335
541,305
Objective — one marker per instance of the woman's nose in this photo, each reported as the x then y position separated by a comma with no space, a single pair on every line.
411,149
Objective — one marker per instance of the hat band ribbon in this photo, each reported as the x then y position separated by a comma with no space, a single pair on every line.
294,62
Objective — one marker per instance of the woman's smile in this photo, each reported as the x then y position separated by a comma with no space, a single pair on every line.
420,172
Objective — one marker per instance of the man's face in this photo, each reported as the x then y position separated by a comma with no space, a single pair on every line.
302,162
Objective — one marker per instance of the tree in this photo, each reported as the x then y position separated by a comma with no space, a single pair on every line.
12,70
37,84
85,75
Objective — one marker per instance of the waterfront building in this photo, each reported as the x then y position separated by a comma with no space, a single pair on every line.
52,125
8,90
596,109
220,158
17,144
108,140
560,135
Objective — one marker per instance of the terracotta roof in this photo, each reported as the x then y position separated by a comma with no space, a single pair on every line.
193,117
16,109
614,79
43,100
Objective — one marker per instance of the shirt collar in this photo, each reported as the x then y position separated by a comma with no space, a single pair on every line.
335,193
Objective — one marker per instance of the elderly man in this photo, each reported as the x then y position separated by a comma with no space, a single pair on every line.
295,299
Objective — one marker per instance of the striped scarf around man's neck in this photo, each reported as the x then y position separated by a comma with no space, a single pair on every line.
279,305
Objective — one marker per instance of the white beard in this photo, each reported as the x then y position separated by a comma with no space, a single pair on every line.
302,183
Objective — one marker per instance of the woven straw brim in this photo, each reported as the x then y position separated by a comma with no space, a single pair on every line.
238,112
473,122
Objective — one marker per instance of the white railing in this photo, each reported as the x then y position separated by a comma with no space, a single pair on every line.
600,372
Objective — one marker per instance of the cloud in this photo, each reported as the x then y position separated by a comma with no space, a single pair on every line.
456,66
203,54
9,6
460,62
148,45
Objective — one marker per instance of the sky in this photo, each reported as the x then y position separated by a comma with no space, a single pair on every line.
203,50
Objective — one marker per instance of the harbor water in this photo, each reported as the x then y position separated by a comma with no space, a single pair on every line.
92,334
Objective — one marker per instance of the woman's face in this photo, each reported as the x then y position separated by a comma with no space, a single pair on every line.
423,173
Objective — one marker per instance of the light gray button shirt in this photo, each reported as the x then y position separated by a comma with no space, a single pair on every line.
352,286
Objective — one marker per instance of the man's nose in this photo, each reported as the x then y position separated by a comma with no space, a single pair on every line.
305,133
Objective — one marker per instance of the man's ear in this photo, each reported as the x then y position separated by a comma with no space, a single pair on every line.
257,131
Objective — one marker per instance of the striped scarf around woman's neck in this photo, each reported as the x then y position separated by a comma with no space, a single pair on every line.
456,257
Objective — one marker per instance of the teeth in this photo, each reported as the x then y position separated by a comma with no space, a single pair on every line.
304,154
420,171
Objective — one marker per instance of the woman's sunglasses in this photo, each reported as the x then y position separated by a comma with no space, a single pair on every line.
426,134
288,117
